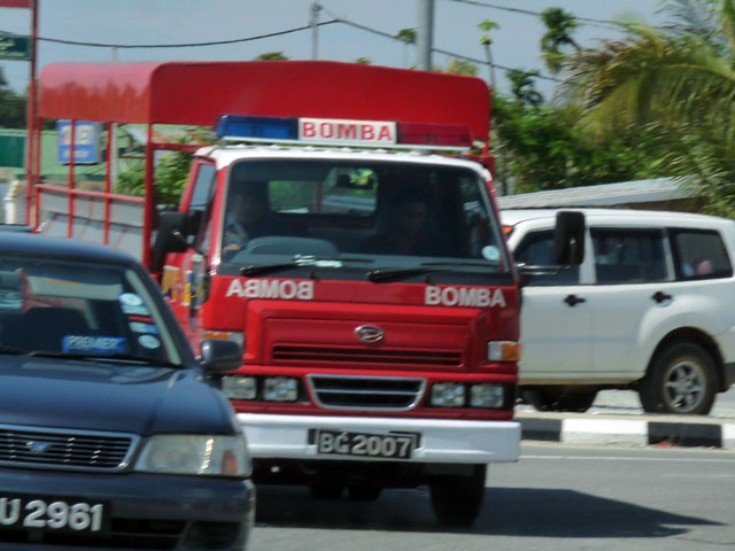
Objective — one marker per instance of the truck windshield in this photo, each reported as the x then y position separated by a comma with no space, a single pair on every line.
390,214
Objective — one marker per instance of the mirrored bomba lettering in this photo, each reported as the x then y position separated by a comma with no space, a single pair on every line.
286,289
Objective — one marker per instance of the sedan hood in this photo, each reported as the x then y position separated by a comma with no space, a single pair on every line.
108,397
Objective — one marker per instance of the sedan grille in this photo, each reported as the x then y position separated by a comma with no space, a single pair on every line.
73,450
355,392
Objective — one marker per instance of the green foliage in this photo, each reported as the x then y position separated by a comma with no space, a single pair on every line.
486,27
12,106
560,25
171,172
679,79
542,148
170,178
462,67
523,87
704,165
271,56
407,36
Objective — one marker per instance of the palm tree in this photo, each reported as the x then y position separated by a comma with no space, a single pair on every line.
486,27
558,37
408,37
679,79
523,87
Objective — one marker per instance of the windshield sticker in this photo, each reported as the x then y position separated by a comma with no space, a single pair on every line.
135,310
149,341
491,253
93,344
474,297
130,299
138,327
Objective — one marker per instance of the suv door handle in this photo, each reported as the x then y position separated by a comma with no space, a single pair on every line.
573,300
660,296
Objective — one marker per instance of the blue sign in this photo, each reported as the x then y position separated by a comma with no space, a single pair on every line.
87,142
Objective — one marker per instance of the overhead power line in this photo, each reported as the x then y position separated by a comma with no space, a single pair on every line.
183,45
335,20
588,20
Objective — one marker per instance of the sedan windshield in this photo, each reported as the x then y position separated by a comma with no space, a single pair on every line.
81,310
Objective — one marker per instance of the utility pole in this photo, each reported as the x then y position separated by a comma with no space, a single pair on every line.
315,8
425,34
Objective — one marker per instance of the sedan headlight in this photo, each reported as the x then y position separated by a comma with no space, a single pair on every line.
193,454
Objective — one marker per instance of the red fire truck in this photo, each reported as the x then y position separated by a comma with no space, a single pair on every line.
344,229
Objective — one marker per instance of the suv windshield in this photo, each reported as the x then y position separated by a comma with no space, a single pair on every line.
363,215
80,309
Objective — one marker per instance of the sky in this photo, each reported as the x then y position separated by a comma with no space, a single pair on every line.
373,23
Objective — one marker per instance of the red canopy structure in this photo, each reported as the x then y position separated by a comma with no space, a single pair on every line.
198,93
191,93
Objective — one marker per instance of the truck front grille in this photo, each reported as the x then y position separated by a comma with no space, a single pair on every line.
416,358
74,450
356,392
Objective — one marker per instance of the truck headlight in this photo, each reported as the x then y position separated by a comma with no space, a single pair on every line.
280,389
237,387
448,395
487,396
193,454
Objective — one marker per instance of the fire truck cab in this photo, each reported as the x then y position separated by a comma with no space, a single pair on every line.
344,230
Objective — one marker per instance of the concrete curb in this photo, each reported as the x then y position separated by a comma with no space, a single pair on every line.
628,430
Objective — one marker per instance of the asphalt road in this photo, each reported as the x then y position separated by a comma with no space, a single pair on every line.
556,498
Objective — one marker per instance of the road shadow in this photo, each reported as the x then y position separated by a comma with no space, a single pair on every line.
528,512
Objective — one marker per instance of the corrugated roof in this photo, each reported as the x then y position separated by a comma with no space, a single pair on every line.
601,195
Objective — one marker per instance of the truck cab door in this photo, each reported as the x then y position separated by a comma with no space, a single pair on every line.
182,246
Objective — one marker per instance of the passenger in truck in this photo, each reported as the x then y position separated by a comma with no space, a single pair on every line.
408,231
248,216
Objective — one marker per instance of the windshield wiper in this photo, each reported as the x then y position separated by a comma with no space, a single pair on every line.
103,358
299,262
382,274
10,350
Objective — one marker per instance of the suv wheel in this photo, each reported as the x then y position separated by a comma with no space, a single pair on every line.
550,399
681,379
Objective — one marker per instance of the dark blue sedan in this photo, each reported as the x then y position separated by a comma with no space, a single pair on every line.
112,433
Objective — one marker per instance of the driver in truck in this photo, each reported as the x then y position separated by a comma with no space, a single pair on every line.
248,216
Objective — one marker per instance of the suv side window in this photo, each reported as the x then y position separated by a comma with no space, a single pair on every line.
537,249
628,256
700,254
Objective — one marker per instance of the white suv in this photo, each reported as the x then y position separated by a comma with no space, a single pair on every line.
651,308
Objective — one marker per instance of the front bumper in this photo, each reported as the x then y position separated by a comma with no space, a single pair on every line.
146,511
442,441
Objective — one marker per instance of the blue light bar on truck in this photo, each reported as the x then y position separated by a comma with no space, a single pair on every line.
343,132
258,128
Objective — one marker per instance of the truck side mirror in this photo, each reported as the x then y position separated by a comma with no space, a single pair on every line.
569,235
220,356
170,238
